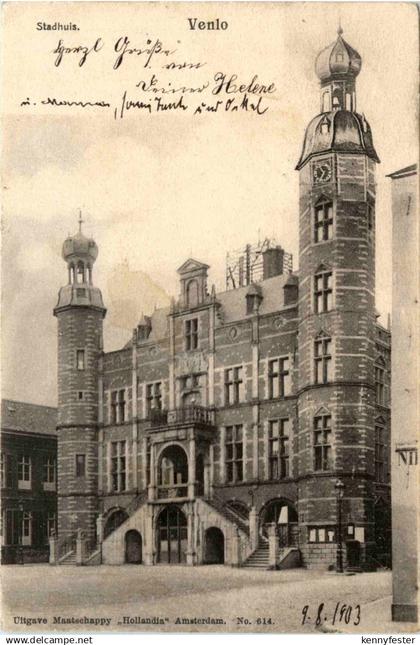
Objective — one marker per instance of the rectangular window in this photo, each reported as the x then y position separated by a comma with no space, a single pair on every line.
49,473
80,465
118,406
321,534
26,529
80,357
2,470
234,386
153,397
323,292
24,472
322,442
278,437
191,334
380,385
279,378
379,454
323,222
118,466
322,358
234,453
51,526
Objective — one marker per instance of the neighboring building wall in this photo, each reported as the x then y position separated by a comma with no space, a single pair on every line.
28,481
405,394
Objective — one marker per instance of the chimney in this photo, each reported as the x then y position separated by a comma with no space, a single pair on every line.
273,260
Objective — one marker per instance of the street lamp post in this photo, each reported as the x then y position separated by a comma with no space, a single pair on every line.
339,491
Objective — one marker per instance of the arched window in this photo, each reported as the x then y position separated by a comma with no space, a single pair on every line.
80,276
192,293
326,102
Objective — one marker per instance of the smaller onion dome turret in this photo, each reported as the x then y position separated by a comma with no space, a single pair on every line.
80,253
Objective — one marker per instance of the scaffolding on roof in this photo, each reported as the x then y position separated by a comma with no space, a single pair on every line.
245,266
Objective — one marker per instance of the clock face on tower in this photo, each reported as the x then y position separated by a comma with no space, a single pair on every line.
322,172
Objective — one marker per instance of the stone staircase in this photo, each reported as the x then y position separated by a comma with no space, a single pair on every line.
228,513
68,559
259,559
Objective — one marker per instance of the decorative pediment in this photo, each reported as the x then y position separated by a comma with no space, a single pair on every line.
380,421
322,199
322,268
380,361
322,334
322,412
191,266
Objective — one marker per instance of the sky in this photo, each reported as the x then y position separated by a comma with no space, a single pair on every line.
155,189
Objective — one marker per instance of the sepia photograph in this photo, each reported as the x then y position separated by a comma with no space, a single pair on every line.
210,339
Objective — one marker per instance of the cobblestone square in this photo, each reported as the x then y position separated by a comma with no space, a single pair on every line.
180,598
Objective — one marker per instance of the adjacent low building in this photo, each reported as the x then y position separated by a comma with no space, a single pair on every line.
28,481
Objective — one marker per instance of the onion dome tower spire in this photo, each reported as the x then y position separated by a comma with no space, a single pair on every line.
338,127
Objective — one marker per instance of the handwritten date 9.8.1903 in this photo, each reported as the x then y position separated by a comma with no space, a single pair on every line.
340,614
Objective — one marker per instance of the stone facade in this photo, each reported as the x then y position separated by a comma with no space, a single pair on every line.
228,413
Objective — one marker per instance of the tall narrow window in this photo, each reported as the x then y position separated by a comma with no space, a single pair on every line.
118,406
191,334
121,406
51,525
27,529
323,292
322,358
24,472
153,397
322,442
278,436
2,470
80,465
279,378
380,384
118,466
323,222
234,453
49,473
379,454
80,359
234,386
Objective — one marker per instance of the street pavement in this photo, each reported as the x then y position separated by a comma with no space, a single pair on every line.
184,599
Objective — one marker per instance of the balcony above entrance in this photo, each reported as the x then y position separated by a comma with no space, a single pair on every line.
192,415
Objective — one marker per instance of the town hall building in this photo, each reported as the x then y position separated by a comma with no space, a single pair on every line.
251,426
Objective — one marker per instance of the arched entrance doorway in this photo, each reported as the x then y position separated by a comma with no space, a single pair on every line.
172,534
133,547
173,472
283,514
214,542
114,520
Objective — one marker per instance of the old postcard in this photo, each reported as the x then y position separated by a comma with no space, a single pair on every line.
209,246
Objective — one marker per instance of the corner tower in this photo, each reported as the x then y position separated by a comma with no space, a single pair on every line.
337,316
80,312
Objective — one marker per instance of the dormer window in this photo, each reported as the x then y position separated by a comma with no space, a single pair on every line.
325,126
